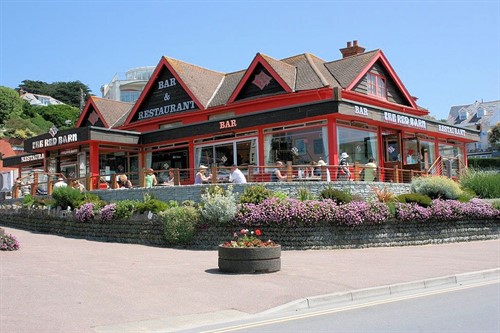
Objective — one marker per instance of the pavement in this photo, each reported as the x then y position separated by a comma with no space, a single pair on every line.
61,284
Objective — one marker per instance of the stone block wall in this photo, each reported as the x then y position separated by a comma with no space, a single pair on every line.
141,230
192,192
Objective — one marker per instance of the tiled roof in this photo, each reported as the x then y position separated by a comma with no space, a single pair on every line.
490,108
113,112
286,71
311,72
226,88
200,81
347,69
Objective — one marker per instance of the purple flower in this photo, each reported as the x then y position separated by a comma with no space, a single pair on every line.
85,213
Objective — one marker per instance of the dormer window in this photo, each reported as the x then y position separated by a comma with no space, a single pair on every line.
481,112
376,85
462,115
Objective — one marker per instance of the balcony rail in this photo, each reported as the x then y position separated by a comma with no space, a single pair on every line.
42,183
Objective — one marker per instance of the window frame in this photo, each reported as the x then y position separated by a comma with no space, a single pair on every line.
373,86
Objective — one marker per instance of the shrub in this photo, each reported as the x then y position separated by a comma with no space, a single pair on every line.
359,212
8,242
150,204
477,208
108,212
304,194
338,196
255,194
484,184
94,198
420,199
496,204
67,197
280,195
383,195
484,163
28,201
412,212
436,187
218,207
124,209
85,213
179,224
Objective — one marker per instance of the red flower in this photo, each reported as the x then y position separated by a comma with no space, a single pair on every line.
257,232
243,231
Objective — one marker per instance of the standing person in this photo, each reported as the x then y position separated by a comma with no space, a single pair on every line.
277,176
200,177
344,173
322,163
236,176
150,178
103,184
370,170
60,183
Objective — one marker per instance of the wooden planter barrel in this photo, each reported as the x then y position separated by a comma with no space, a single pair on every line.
250,259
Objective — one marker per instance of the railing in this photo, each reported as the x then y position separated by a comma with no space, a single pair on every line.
254,174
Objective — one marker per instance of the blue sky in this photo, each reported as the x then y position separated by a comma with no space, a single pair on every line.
445,52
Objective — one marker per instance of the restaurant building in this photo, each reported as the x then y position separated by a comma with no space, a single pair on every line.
298,109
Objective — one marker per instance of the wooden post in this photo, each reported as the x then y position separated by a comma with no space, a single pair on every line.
357,170
289,171
89,184
49,184
250,173
113,180
214,174
177,177
396,174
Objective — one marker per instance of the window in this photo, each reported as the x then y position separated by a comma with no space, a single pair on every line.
361,145
376,85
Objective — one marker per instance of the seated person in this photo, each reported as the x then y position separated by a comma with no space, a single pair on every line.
344,173
124,182
236,176
276,175
322,163
103,184
77,185
200,177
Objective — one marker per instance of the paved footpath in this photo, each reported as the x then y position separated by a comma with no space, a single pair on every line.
59,284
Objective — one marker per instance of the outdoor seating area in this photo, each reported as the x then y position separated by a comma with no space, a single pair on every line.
43,183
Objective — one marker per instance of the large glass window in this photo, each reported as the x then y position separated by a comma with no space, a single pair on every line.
412,155
129,96
300,146
242,152
163,160
359,144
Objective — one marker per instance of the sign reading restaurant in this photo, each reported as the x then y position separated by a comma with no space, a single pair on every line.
451,130
165,97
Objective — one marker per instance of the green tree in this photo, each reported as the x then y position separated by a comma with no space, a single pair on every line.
67,92
494,135
10,104
17,127
59,114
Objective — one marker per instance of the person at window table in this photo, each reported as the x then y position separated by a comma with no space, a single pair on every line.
150,178
60,183
322,163
170,178
236,176
344,173
124,182
200,177
277,176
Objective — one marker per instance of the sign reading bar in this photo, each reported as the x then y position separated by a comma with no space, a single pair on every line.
360,110
56,140
451,130
404,120
227,124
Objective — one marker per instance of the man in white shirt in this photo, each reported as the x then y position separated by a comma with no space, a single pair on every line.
236,176
60,183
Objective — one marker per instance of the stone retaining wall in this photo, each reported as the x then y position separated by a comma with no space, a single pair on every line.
192,192
141,230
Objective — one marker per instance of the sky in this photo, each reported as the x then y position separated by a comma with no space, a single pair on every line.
446,53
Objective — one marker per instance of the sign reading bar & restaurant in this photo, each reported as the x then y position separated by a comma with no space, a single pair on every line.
165,97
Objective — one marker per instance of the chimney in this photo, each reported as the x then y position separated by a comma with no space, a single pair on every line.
352,49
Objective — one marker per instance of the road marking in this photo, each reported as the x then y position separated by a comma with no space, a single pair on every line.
349,307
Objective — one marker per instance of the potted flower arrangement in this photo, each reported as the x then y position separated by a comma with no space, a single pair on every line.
247,253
